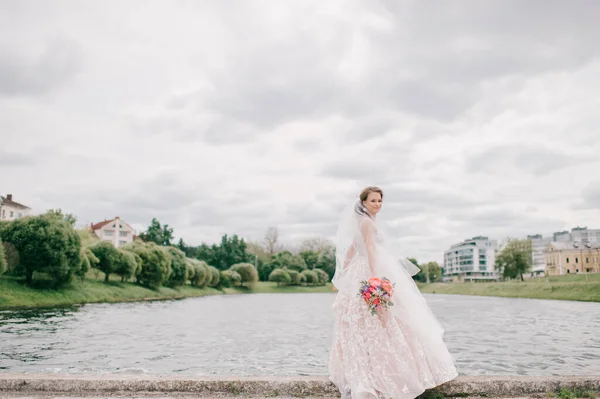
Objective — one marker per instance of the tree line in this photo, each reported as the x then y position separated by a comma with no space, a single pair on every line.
49,247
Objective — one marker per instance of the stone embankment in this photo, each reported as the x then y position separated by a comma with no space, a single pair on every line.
58,386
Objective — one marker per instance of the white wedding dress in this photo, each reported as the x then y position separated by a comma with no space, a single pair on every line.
398,353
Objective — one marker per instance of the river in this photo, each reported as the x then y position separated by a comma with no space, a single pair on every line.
287,334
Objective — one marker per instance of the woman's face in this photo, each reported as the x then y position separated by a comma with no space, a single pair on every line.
373,203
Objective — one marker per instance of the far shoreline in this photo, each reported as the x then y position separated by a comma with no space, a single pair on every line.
14,295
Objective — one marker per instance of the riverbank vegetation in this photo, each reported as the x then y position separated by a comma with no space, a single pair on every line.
15,294
582,287
45,261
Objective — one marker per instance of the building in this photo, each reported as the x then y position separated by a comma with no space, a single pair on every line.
580,234
114,231
538,245
11,210
471,260
572,257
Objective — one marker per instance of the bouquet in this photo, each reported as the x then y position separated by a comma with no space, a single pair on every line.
377,293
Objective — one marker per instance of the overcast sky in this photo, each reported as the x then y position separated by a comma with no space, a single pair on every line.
475,117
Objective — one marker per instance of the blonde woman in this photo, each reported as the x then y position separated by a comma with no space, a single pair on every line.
395,352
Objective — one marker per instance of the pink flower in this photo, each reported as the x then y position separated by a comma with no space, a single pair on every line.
387,286
374,281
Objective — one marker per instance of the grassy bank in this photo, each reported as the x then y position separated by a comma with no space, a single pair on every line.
574,288
14,294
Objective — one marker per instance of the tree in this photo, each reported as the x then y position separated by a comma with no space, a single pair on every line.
108,258
229,278
271,241
182,247
311,258
160,235
230,251
265,270
514,259
13,264
286,259
178,275
430,272
156,263
68,217
201,275
215,276
204,253
295,277
327,261
322,275
258,255
127,264
318,245
246,271
3,262
45,244
280,276
310,277
88,261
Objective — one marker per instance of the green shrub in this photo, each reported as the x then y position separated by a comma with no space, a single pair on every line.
156,263
286,260
294,276
215,276
230,278
126,265
311,277
280,276
264,270
179,262
108,258
202,274
13,264
322,276
3,262
247,272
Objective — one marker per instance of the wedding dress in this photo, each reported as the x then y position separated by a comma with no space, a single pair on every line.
397,353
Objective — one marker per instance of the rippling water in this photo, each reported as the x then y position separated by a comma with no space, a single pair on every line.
288,334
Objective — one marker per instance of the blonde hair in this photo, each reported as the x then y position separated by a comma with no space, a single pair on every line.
364,194
359,208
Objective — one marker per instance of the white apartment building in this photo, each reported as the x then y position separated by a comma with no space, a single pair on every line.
114,231
538,245
471,260
578,234
11,210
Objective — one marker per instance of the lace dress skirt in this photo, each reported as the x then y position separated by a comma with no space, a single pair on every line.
394,354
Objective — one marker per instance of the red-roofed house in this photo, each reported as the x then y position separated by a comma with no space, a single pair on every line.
114,231
11,210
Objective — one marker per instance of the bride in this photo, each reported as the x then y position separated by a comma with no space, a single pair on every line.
396,352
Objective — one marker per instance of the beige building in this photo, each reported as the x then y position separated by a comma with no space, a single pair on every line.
11,210
114,231
572,258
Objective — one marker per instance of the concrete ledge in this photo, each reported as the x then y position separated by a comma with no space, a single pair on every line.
318,386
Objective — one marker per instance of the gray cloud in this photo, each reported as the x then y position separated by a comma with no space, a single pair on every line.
478,118
590,198
14,159
537,160
58,64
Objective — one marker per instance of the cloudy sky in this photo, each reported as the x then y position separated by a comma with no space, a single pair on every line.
475,117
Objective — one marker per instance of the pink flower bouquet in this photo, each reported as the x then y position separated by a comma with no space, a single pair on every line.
377,293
